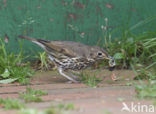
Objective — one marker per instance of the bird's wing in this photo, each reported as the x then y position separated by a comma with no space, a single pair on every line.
57,46
67,48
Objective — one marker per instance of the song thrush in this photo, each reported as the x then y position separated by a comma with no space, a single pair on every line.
68,55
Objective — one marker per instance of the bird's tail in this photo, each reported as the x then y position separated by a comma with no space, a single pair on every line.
36,41
27,38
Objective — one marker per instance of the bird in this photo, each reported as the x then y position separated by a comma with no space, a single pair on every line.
70,55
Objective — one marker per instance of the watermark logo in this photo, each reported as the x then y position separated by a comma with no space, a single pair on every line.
137,107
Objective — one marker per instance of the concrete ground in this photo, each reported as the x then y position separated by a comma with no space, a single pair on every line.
107,98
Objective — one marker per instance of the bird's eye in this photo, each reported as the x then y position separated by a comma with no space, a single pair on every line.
99,53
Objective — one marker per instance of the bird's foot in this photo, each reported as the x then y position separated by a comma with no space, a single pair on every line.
73,76
66,76
70,82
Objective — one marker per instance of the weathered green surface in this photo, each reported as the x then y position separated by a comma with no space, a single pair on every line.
77,20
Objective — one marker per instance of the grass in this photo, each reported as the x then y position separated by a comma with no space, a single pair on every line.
66,106
144,68
130,48
129,51
32,95
28,111
42,58
51,110
106,111
146,90
150,44
11,104
136,52
144,74
92,81
12,67
42,62
59,109
147,71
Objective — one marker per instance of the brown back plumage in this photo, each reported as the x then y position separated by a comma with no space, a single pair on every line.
69,48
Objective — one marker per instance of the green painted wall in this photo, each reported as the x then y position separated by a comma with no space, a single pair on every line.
76,20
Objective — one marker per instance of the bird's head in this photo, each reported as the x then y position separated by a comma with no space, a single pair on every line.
98,53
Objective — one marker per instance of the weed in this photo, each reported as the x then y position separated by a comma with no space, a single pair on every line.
127,51
43,63
66,107
59,109
150,44
92,81
136,51
30,98
146,90
106,111
144,74
42,57
35,92
51,110
28,111
120,99
11,104
32,95
131,48
11,66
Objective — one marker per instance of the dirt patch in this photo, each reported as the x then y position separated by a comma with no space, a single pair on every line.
105,75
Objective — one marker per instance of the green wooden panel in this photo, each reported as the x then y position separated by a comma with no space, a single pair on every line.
76,20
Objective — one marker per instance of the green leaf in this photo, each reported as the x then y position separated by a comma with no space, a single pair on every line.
130,40
6,81
6,74
119,56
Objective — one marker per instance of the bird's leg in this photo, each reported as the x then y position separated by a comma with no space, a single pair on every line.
74,76
63,74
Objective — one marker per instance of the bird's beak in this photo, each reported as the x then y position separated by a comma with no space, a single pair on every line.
111,63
